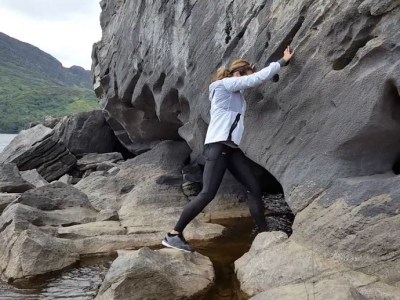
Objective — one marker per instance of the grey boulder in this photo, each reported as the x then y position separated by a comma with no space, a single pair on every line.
30,244
161,274
33,177
39,148
56,196
280,268
34,252
86,132
11,180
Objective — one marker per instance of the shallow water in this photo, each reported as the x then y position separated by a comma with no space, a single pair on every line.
223,251
81,281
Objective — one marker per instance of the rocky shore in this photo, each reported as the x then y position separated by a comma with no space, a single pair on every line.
99,203
324,134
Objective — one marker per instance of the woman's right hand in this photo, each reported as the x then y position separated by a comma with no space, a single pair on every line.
287,54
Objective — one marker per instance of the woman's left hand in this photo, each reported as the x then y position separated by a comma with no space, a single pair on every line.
288,54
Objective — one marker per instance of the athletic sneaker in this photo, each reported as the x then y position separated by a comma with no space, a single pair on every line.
177,242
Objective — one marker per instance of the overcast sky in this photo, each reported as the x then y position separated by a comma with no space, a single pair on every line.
66,29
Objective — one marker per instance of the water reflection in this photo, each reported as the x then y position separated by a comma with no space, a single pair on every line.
81,282
223,251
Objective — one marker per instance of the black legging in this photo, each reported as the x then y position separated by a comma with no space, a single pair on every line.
220,157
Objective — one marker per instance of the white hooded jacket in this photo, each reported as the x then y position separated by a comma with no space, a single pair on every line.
228,105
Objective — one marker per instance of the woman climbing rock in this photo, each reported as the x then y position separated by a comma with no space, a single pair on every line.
221,148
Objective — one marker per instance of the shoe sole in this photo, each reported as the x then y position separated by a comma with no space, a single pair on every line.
170,246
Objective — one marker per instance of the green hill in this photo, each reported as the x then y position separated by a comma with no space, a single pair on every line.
33,84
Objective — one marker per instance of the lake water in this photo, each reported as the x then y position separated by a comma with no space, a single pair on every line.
5,139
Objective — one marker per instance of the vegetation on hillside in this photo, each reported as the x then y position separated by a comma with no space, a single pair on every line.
29,91
24,100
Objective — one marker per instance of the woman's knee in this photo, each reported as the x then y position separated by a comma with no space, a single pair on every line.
255,192
206,195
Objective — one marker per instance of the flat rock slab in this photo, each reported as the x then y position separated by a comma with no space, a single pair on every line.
92,229
160,274
24,216
55,196
94,160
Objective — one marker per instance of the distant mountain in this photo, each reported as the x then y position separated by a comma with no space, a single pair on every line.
33,84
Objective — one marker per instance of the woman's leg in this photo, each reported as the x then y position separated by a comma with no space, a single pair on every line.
214,169
239,166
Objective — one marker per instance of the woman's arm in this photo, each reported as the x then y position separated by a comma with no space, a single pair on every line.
235,84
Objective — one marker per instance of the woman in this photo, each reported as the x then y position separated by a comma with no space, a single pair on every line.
221,145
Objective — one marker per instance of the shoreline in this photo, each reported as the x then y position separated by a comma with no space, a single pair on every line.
5,139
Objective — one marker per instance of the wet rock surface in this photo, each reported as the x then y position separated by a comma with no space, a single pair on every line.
279,216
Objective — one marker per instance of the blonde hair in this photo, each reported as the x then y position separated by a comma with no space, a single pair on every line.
225,72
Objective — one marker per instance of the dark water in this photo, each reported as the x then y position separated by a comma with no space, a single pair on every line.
223,251
81,281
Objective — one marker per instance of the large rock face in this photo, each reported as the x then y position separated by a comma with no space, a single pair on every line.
325,130
334,112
